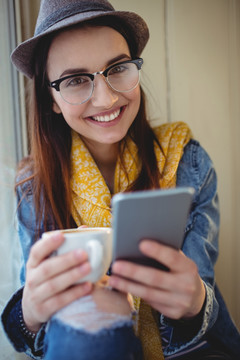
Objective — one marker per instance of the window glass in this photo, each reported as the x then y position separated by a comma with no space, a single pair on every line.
10,153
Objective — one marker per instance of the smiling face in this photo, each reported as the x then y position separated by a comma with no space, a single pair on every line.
106,117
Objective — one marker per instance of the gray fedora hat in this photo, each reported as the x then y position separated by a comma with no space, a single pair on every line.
58,14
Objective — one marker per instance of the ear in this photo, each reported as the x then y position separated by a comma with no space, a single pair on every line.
56,108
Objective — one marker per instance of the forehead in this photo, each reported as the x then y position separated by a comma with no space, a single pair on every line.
90,47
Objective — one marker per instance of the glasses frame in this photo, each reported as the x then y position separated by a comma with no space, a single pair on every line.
56,83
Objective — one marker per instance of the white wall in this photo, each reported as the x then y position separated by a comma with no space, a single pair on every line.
193,59
153,75
204,68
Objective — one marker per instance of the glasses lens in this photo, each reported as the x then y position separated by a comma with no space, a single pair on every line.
76,89
123,77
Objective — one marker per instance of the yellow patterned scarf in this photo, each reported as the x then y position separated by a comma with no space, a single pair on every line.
92,201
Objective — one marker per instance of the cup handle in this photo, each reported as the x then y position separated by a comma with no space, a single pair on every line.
95,249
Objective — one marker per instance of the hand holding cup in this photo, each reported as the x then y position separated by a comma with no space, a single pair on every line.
53,282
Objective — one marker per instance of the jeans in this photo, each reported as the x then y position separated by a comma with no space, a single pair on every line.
82,332
64,343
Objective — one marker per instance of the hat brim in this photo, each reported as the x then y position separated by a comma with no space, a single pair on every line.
23,56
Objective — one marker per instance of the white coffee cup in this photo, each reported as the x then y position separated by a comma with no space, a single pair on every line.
97,242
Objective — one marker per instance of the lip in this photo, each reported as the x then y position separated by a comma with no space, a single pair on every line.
107,113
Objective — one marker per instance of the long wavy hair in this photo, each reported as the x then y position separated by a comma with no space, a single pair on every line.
48,165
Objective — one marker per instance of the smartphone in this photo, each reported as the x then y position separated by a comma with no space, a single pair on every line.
159,215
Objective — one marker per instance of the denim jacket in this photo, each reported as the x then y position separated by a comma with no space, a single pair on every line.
200,244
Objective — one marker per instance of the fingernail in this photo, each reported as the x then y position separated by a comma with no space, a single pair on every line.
79,253
85,268
116,267
144,245
112,282
55,235
87,286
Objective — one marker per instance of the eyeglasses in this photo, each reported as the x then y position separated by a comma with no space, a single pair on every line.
78,88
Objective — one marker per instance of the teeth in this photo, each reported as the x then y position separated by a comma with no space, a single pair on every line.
107,118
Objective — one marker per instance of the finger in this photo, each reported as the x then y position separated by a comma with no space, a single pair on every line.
137,289
46,309
145,275
174,259
60,283
161,300
54,266
43,248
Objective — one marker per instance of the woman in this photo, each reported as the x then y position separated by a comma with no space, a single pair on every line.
91,139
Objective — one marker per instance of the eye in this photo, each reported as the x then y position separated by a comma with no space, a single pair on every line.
76,81
118,69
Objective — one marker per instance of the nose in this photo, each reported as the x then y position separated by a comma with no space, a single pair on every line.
103,94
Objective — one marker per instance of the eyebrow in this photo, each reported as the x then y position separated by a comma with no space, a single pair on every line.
73,71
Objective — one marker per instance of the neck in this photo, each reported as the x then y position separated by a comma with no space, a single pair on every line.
105,156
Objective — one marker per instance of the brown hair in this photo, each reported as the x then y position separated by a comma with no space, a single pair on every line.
50,144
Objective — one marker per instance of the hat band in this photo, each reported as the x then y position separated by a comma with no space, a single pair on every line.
70,10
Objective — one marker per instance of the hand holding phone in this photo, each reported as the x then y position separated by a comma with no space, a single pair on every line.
160,215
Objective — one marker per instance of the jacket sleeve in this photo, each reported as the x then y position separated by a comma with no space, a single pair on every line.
10,316
200,244
12,327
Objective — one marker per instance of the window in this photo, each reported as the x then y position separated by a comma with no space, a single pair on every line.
11,151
